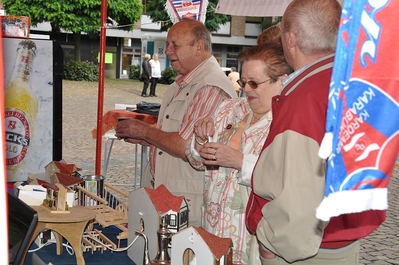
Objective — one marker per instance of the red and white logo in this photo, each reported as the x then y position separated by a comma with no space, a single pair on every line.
18,134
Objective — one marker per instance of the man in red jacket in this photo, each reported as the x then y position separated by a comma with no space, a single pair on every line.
289,178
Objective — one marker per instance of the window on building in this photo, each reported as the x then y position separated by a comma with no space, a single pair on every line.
69,52
219,58
136,56
254,19
130,56
233,49
183,217
144,2
231,56
127,42
172,220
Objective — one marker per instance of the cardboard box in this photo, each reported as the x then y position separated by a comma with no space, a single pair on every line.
35,194
32,194
15,26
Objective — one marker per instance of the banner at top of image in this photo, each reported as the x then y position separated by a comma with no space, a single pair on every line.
195,9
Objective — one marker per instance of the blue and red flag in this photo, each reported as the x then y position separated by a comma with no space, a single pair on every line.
362,129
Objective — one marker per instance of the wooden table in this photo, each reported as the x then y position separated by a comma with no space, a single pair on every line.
65,225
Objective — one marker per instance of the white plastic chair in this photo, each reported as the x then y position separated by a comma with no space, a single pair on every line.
110,137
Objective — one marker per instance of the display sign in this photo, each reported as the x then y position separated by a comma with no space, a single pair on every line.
15,26
33,105
194,9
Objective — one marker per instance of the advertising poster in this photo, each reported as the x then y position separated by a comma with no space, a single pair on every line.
29,106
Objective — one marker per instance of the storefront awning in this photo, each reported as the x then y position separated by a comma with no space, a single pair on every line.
254,8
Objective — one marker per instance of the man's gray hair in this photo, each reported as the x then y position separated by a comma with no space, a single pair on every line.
200,32
314,23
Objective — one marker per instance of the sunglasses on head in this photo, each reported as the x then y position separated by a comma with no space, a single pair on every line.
251,84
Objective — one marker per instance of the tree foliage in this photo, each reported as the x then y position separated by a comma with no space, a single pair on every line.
75,15
157,12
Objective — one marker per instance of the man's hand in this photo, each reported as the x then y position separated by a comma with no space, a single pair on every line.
138,132
203,128
134,141
133,131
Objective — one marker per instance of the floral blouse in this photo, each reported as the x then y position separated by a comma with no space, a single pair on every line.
225,196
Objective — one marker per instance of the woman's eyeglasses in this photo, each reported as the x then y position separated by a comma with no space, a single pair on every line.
252,84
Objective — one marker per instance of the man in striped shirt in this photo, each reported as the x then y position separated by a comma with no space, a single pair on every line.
199,88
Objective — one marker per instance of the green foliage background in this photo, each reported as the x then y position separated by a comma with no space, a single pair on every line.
79,16
134,71
167,76
75,15
80,71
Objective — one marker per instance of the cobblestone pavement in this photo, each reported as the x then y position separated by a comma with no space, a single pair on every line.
80,117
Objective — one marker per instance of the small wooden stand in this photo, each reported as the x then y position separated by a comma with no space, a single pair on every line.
62,197
70,226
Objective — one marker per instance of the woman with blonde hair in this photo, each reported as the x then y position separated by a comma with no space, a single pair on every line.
155,73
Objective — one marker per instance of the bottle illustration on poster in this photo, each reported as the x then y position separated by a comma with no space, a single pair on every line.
33,105
20,105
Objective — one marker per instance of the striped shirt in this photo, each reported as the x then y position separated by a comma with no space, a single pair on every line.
205,102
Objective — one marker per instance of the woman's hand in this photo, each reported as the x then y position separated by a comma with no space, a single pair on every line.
216,154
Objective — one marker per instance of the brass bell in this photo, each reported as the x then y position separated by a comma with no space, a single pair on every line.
163,234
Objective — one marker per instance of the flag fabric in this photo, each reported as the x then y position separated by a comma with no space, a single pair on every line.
194,9
362,129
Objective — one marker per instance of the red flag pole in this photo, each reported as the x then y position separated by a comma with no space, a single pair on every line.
100,104
3,172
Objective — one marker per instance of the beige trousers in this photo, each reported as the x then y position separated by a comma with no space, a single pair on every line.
348,255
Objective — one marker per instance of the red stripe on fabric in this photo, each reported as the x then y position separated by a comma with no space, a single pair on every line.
305,73
204,104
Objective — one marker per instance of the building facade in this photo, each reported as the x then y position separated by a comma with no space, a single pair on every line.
125,48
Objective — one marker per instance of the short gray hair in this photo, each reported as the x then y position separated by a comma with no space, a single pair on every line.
200,32
314,23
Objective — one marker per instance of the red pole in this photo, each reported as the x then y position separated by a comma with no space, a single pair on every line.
3,172
100,104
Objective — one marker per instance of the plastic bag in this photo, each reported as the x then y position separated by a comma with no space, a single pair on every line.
151,108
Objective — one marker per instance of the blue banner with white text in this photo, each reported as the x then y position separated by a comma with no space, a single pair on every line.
362,130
